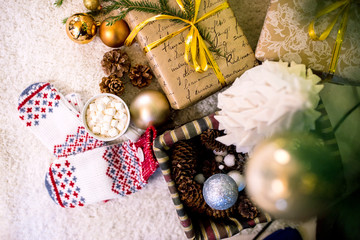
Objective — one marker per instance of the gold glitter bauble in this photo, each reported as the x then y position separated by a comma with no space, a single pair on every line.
293,176
81,28
149,107
92,4
114,35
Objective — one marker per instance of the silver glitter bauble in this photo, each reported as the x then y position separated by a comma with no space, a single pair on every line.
220,191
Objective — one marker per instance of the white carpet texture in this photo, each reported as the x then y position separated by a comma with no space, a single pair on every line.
34,47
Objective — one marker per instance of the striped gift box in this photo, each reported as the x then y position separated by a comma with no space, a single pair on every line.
196,228
205,228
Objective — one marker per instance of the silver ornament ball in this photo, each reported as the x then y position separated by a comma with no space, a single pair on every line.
220,191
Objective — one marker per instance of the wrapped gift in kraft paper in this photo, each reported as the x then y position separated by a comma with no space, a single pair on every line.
182,84
285,36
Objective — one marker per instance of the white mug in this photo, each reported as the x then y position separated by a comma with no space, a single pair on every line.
128,131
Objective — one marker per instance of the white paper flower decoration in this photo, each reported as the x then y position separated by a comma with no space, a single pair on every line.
267,99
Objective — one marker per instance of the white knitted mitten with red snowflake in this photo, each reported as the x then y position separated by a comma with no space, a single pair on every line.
50,116
75,101
102,173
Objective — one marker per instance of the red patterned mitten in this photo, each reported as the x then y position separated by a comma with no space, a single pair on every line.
50,116
102,173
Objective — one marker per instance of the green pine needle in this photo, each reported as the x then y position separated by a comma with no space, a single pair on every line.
207,37
189,8
112,20
164,4
144,6
58,3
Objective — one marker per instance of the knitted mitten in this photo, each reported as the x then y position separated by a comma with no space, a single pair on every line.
49,115
75,101
102,173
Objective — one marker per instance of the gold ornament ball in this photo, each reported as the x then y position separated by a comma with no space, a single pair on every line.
92,5
114,35
149,107
81,28
293,176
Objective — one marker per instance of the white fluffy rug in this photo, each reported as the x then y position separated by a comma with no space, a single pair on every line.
34,47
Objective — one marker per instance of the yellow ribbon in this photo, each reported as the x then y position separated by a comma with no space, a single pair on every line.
343,8
195,46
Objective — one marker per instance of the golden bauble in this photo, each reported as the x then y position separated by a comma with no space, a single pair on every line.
114,35
293,176
149,107
92,4
81,28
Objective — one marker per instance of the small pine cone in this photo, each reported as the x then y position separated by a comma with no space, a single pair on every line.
115,62
210,167
208,139
192,195
220,213
112,84
246,208
140,75
184,154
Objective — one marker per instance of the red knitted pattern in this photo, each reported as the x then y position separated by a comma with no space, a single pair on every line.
145,142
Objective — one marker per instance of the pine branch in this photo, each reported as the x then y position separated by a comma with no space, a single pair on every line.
58,3
164,4
113,19
207,37
145,6
189,6
113,6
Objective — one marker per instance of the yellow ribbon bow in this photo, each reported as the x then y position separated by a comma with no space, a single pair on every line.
343,8
195,46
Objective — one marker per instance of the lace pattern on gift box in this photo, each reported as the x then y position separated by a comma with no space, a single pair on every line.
285,37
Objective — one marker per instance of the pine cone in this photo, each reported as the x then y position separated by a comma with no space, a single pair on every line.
190,193
208,139
210,167
246,208
115,62
183,154
220,213
140,75
112,84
